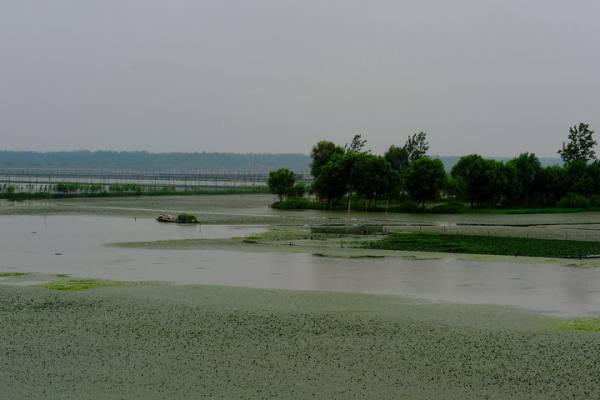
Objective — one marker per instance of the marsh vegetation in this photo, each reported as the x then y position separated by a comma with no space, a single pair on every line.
479,244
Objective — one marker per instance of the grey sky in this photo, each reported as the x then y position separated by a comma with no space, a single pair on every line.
495,77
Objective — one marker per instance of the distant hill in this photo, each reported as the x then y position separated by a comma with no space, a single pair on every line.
140,160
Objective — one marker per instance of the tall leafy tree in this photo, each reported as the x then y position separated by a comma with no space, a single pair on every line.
373,177
321,153
482,181
281,182
469,173
527,170
580,146
331,183
425,178
398,158
357,145
552,184
416,146
577,178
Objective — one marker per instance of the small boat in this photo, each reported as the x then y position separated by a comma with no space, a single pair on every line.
166,218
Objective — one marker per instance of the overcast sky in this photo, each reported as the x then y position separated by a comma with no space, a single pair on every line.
491,76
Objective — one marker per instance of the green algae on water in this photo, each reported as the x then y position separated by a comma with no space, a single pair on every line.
582,325
12,274
76,285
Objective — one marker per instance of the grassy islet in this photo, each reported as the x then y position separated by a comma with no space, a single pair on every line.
494,245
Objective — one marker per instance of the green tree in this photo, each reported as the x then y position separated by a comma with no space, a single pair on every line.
527,170
357,145
469,174
373,178
281,182
298,190
482,181
425,179
398,158
331,183
416,146
321,154
578,178
581,144
552,185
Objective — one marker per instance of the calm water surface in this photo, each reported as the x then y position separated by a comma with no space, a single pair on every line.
74,245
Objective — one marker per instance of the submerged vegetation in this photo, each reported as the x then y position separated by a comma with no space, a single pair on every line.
12,274
478,244
76,285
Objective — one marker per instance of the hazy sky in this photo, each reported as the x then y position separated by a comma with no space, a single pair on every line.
490,76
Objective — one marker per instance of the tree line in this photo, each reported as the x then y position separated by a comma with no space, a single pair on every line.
407,172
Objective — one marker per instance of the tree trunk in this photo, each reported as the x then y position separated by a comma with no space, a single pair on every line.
349,206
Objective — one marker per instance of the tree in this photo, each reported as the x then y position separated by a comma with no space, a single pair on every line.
321,154
578,179
373,177
497,181
357,145
425,179
281,182
527,169
482,181
581,144
469,173
552,184
416,146
399,161
331,183
298,190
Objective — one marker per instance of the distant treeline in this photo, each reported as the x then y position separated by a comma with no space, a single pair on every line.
406,172
140,160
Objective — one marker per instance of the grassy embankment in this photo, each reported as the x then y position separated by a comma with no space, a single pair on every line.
157,341
494,245
450,207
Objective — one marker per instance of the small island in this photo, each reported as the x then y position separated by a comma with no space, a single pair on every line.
180,219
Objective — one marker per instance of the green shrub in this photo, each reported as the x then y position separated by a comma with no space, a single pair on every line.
474,244
187,219
298,190
574,200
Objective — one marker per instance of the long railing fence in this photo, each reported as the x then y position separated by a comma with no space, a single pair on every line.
34,179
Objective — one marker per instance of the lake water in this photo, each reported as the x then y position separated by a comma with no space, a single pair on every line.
72,244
